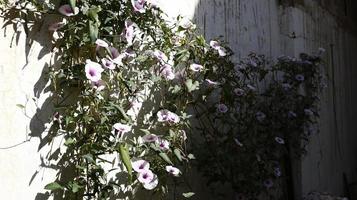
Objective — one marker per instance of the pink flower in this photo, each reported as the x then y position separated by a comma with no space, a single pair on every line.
167,72
163,144
99,85
146,176
167,116
196,67
212,83
93,71
114,53
67,10
150,138
129,31
173,170
138,5
151,185
140,166
238,92
160,56
222,108
120,129
101,43
221,50
108,63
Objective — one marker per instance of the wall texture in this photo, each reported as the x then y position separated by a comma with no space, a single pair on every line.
272,27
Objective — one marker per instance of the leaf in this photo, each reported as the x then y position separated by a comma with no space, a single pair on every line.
124,155
188,194
72,3
147,132
191,86
191,156
122,112
75,187
89,158
93,30
165,157
177,152
69,141
53,186
20,106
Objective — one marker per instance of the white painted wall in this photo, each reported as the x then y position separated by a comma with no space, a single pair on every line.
248,25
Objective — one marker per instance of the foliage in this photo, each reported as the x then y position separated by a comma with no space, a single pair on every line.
129,84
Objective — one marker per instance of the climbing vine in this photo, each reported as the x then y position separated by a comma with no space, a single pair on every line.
139,97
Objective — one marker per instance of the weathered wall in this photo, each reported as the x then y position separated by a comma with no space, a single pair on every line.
264,26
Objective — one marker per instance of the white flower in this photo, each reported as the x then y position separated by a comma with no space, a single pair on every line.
146,176
212,83
140,165
150,138
68,11
160,56
93,71
121,129
173,170
108,63
167,116
163,144
185,23
101,43
196,67
151,185
221,50
129,32
167,72
138,5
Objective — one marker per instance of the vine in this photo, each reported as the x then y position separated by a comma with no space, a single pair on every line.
136,94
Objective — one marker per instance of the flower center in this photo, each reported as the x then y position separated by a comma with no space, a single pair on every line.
92,72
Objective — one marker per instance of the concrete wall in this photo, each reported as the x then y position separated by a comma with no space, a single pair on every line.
271,27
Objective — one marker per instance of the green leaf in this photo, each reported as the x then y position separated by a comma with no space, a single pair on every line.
69,141
191,156
188,194
147,132
124,155
75,187
191,86
93,30
177,152
89,158
165,157
72,3
20,106
53,186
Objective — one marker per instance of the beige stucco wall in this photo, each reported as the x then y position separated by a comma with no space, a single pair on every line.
248,25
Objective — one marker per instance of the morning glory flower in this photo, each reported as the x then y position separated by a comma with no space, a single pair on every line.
114,53
120,129
67,10
129,31
101,43
308,112
108,63
163,144
277,171
212,83
292,114
150,138
238,92
268,183
140,165
146,176
93,71
57,25
167,116
222,108
152,185
300,77
167,72
173,170
185,23
279,140
160,56
196,67
138,5
221,50
99,85
260,116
